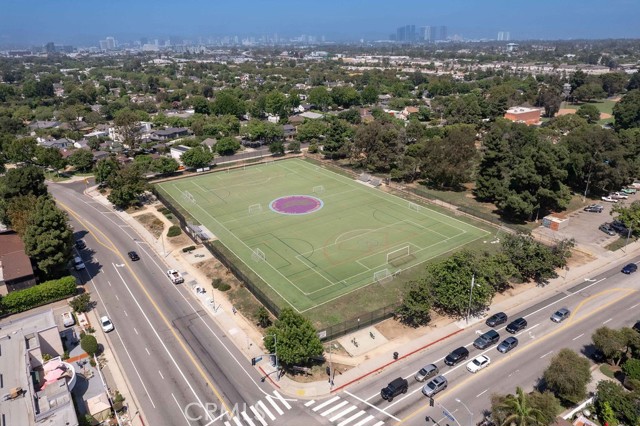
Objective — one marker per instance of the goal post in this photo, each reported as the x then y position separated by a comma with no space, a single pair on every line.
258,255
318,189
414,206
255,208
400,256
382,277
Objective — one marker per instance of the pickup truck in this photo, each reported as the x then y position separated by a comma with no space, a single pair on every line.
175,276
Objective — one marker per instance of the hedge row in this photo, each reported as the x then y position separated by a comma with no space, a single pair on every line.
49,291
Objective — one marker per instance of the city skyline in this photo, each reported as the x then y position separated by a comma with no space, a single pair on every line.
73,22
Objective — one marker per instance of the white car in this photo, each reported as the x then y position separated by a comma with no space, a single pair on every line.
78,264
619,195
609,199
478,363
68,319
107,325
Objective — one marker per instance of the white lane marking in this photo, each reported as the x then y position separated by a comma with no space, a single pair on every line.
247,419
352,418
548,353
607,321
577,337
180,408
160,372
125,313
284,401
109,282
343,413
310,403
633,306
380,423
481,393
373,406
275,406
134,329
266,410
363,421
227,424
117,297
324,404
148,353
258,416
334,408
236,420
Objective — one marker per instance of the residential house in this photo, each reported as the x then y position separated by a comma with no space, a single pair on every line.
99,155
311,115
62,143
42,124
407,111
210,143
296,120
289,131
273,118
528,116
304,107
366,116
16,272
170,133
176,151
384,99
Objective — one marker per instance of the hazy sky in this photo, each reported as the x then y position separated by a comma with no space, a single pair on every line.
86,21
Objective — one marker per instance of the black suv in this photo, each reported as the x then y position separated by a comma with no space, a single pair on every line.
395,388
517,325
619,227
496,319
457,356
594,208
489,338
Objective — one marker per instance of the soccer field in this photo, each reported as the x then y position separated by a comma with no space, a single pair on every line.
313,235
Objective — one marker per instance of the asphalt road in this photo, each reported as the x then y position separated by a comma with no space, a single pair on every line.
175,356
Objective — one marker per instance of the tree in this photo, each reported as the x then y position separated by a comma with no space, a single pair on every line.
567,376
320,97
623,403
378,146
49,158
533,260
127,122
369,95
197,157
607,415
614,82
415,308
345,96
463,109
634,82
18,212
550,99
81,159
589,112
610,342
515,410
227,146
200,105
21,150
227,103
627,111
26,180
105,169
89,344
164,165
294,146
547,404
126,186
293,338
276,103
629,215
276,148
81,303
48,238
264,319
311,130
448,162
588,92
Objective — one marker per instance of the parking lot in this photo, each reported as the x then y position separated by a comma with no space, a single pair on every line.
583,227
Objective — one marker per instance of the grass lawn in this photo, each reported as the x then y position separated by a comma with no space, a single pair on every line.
603,105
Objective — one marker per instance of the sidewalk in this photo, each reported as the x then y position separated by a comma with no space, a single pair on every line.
249,340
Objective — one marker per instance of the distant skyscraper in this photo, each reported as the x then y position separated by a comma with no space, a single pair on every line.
144,40
504,36
103,44
406,34
443,33
111,43
50,47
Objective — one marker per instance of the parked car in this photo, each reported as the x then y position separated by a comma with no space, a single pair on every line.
107,325
133,256
607,229
456,356
478,363
434,386
636,326
629,269
80,244
629,191
619,227
395,388
609,199
507,344
594,208
517,325
619,195
78,264
489,338
560,315
496,319
68,319
426,372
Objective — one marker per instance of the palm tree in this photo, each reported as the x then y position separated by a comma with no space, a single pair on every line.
518,412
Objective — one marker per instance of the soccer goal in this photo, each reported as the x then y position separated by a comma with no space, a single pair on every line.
383,276
318,189
399,256
255,208
258,255
414,206
187,196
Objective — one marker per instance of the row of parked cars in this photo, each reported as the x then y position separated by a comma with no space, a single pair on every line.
613,228
437,382
623,194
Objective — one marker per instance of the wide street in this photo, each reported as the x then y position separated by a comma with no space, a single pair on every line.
174,354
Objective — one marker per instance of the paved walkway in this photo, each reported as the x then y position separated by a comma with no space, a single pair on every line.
380,354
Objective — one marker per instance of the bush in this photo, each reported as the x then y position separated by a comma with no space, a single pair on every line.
224,287
29,298
313,148
163,210
188,249
216,282
174,231
89,344
264,320
81,303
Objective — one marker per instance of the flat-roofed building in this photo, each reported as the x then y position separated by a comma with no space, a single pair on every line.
525,115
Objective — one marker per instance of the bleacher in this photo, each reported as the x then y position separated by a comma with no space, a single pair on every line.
364,177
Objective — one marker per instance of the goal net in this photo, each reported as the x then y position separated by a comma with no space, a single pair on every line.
258,255
382,277
318,189
187,196
414,206
399,256
255,208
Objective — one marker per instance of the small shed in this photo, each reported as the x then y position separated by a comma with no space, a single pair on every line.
555,222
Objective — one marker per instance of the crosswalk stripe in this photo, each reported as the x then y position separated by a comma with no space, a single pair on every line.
227,424
275,406
352,418
324,404
266,410
365,420
380,423
284,401
342,413
309,403
237,421
334,408
258,416
248,419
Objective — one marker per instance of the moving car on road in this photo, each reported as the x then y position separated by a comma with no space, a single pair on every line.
478,363
560,315
489,338
80,244
507,344
133,256
517,325
426,372
395,388
629,269
458,355
496,319
434,386
106,323
78,264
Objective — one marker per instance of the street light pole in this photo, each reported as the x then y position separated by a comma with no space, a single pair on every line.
473,280
468,411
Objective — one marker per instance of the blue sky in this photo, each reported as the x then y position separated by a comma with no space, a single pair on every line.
77,22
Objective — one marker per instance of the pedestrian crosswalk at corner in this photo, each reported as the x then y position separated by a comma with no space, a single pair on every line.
260,413
343,413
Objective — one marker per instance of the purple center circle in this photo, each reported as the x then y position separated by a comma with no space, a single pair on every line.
296,204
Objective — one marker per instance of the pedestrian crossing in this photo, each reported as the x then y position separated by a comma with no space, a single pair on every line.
342,412
261,413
